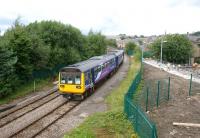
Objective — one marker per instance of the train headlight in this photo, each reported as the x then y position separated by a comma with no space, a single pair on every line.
62,86
78,87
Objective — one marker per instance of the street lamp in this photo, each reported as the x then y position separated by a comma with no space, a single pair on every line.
161,49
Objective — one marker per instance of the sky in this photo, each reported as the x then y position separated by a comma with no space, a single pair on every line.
111,17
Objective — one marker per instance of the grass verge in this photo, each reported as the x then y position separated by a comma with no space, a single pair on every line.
27,89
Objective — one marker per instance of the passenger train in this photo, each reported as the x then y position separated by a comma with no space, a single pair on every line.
80,79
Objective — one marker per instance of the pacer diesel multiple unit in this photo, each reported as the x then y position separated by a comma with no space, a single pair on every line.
80,79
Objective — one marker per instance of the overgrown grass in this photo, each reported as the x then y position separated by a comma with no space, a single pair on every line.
26,89
113,122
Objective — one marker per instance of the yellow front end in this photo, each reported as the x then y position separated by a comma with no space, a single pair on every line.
72,88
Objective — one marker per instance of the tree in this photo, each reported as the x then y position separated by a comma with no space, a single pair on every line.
130,46
61,39
177,49
7,72
96,43
41,48
20,42
111,42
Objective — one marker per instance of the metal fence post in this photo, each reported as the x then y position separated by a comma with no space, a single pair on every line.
158,94
34,85
168,89
147,99
190,89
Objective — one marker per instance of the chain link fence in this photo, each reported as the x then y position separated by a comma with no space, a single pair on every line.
47,73
144,127
154,93
194,87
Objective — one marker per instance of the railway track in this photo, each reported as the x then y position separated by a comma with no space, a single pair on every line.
26,109
33,118
38,126
20,106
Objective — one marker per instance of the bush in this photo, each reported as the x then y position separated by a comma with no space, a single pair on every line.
130,47
177,49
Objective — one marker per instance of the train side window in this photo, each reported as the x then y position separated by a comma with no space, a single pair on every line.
102,66
95,72
99,68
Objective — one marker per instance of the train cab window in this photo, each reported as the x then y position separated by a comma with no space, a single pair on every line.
70,78
62,80
77,79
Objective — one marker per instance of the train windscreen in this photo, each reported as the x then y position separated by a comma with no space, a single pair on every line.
70,78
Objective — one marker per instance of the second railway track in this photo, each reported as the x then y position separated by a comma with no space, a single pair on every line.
18,107
40,125
26,109
37,119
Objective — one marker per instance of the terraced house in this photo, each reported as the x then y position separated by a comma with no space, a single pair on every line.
196,48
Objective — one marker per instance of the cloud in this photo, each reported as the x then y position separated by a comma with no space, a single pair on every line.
176,3
108,16
5,21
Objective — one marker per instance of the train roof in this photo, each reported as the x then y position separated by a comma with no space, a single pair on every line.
116,52
90,63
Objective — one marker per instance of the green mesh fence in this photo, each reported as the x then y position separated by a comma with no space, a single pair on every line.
45,73
142,125
194,87
130,52
148,54
153,94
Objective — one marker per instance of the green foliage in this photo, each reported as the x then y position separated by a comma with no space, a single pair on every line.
21,45
197,60
111,42
96,43
130,46
45,45
148,54
111,123
177,49
7,72
23,90
140,42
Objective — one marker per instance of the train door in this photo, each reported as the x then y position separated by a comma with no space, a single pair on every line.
117,61
92,80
